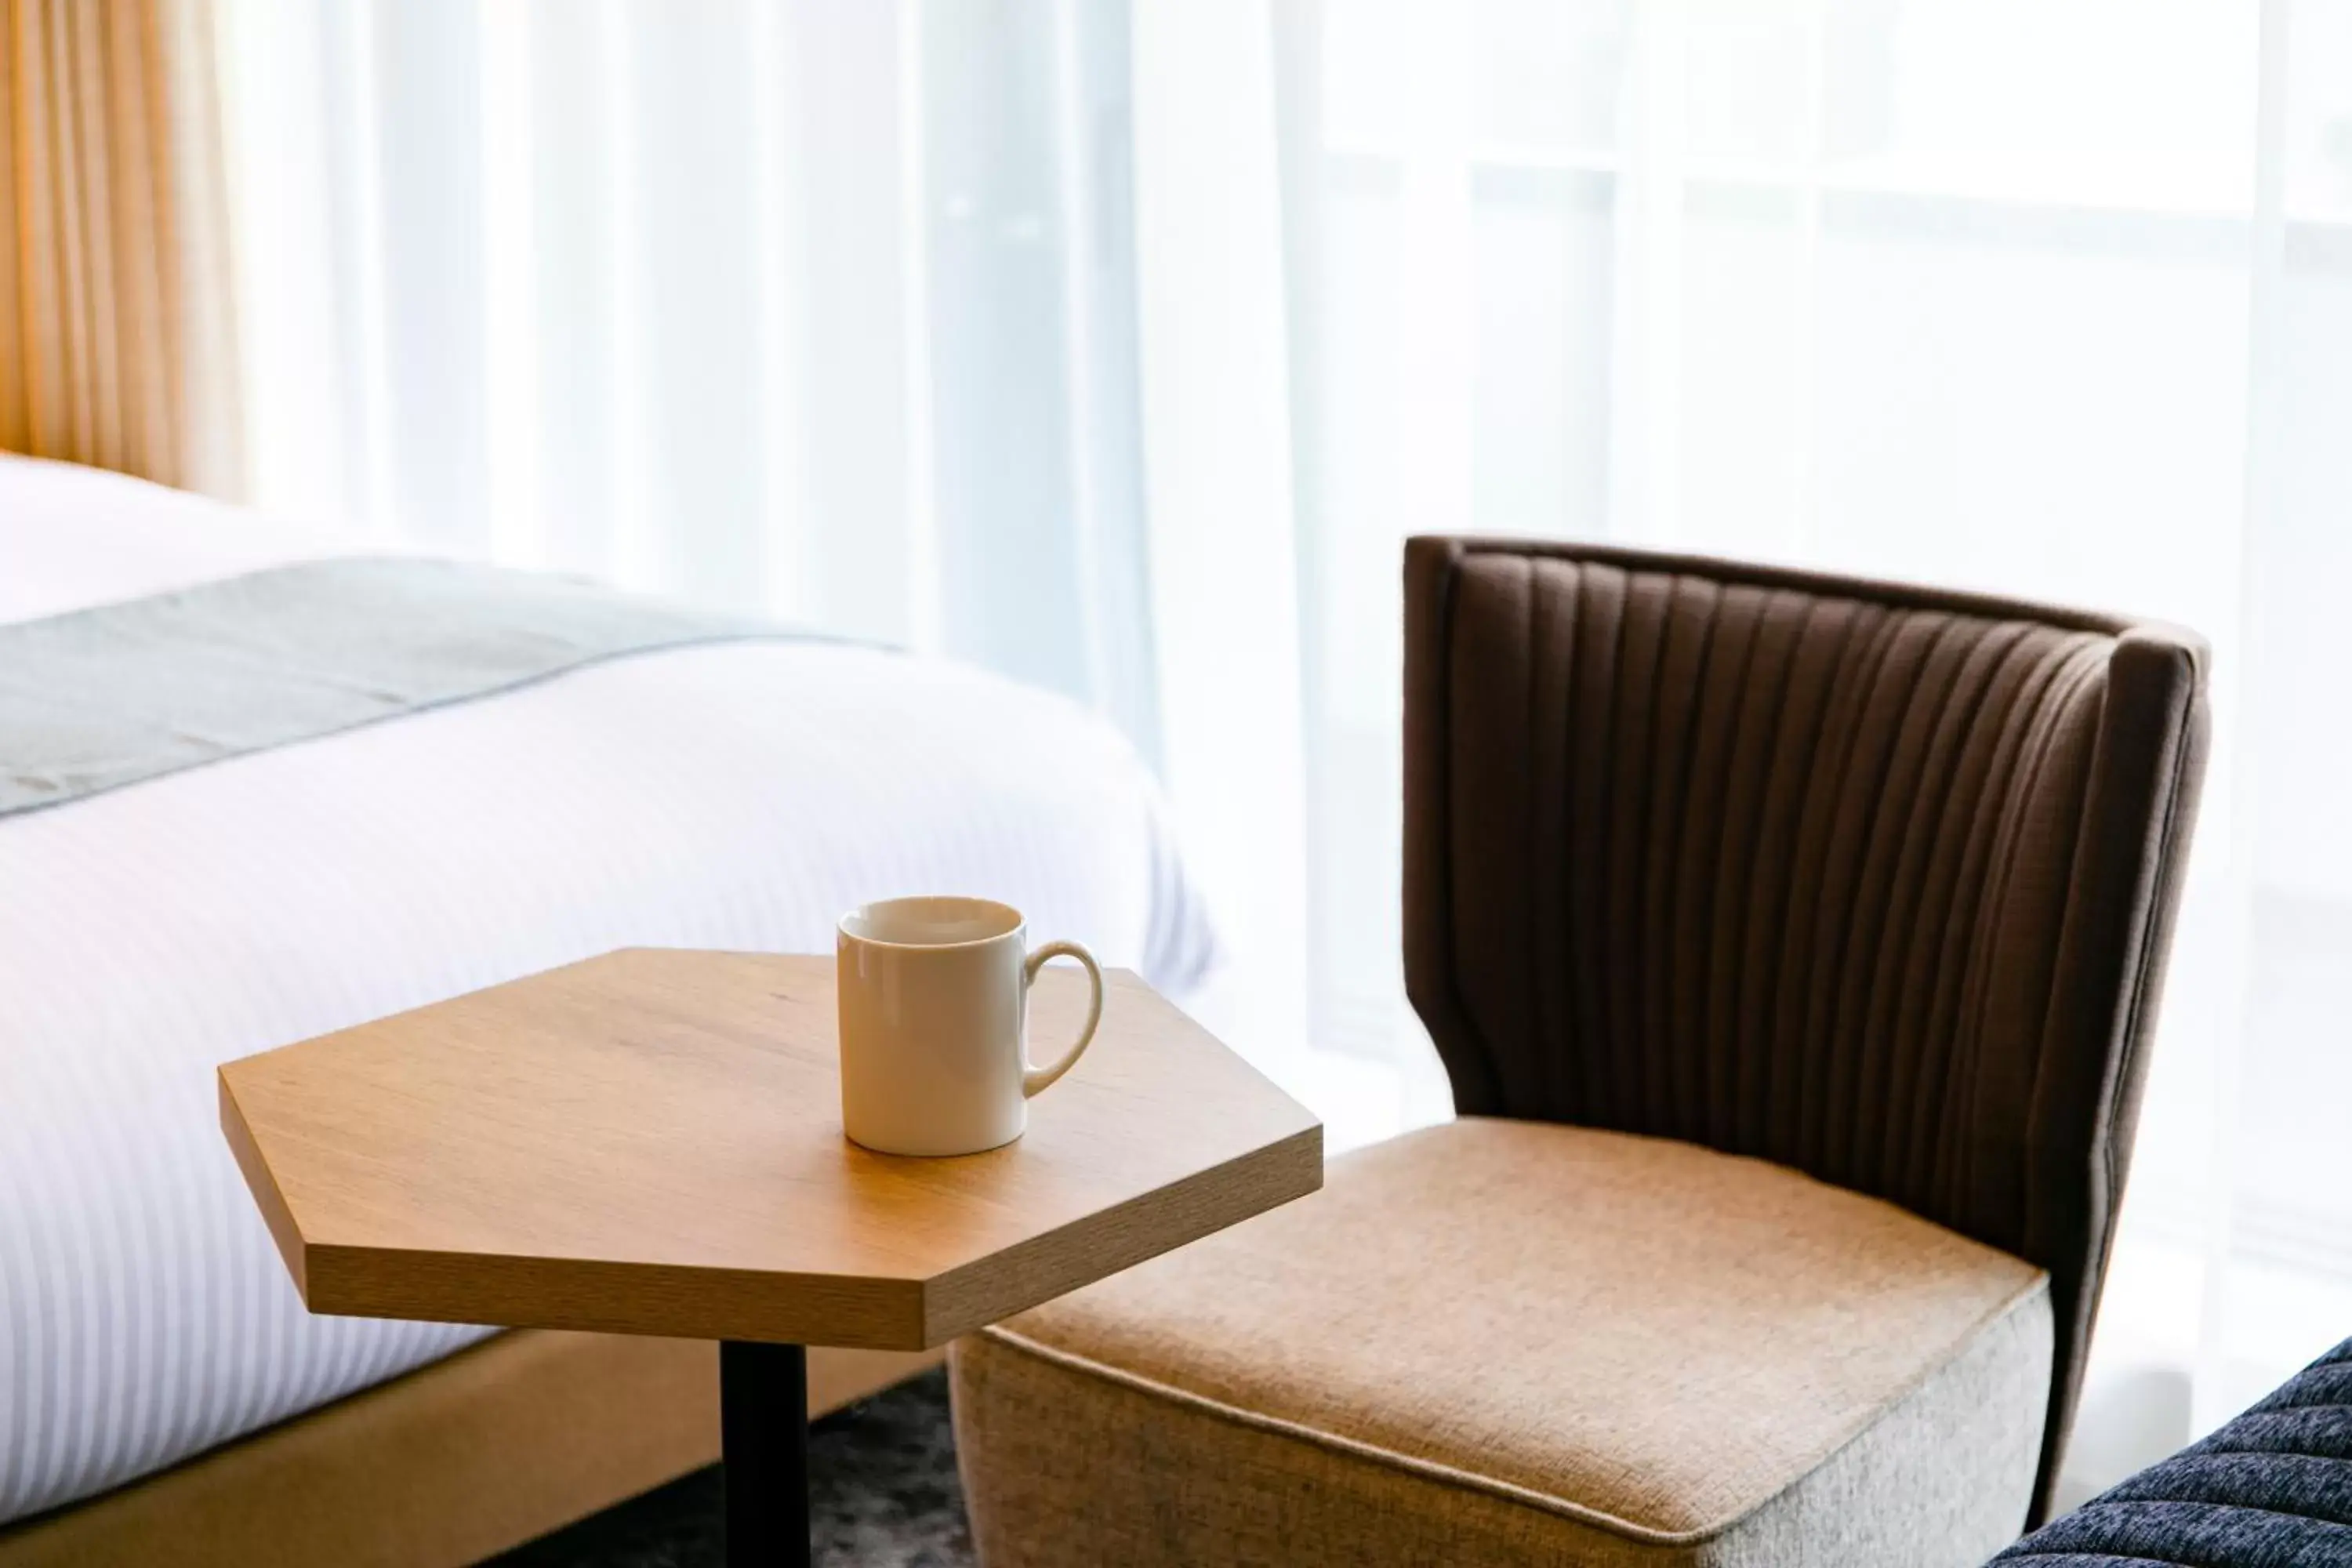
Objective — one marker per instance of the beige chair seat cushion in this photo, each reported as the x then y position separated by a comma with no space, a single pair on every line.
1595,1346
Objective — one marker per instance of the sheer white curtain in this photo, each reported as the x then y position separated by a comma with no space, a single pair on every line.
1118,345
831,309
2053,299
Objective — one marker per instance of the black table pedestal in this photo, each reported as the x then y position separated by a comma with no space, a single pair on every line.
763,1444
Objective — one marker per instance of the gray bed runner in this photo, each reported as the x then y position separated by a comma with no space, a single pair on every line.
111,695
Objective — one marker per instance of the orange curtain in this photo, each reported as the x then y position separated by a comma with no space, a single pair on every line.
117,319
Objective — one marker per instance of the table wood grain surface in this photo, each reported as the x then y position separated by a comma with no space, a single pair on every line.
650,1142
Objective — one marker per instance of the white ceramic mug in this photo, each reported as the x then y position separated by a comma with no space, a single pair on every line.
934,1014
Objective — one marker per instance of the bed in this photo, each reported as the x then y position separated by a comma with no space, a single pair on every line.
159,1379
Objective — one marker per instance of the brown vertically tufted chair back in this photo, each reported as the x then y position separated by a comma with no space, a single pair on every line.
1872,881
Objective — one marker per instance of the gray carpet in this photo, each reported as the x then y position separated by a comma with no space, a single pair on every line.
882,1486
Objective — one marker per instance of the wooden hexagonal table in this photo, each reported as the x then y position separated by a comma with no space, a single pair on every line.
650,1142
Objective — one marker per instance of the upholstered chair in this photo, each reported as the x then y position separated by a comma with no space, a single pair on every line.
1792,944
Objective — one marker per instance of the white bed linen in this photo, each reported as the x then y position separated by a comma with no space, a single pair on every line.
737,796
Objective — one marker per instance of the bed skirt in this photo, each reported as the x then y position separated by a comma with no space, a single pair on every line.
449,1463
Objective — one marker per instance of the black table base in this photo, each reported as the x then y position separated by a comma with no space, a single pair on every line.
763,1444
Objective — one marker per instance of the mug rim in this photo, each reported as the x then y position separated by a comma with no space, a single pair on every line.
1013,929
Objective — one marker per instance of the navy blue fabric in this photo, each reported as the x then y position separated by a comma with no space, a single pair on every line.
2271,1490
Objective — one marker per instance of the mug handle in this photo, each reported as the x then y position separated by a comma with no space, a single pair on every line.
1035,1080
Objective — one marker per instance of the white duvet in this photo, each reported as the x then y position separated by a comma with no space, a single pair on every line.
738,795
